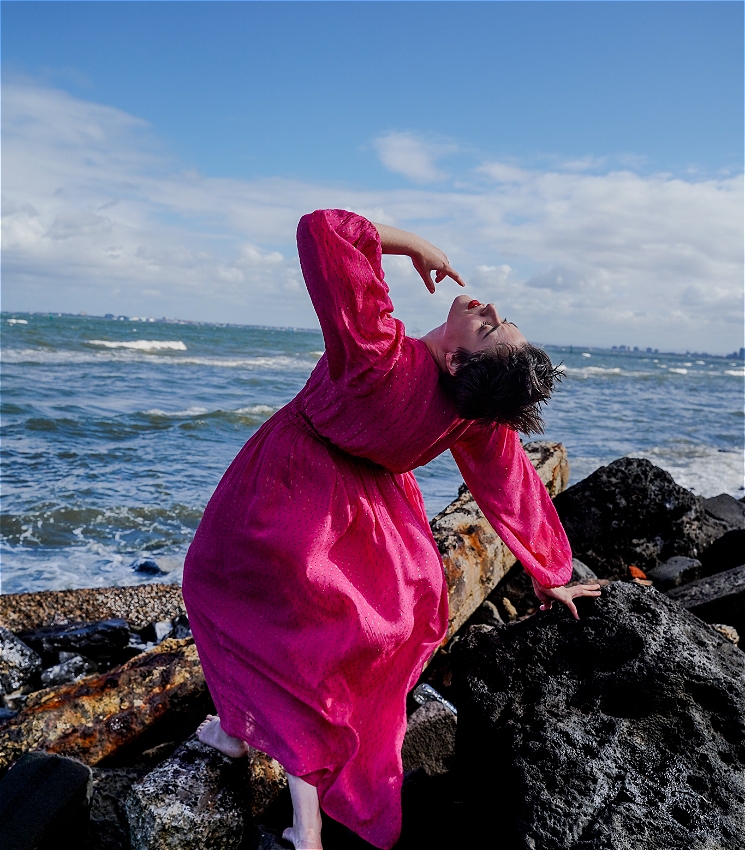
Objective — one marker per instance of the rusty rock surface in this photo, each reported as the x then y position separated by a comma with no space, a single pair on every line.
474,556
199,798
94,717
138,605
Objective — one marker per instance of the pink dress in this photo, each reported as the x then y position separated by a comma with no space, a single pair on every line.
314,587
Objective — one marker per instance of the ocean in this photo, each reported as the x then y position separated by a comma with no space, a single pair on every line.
116,432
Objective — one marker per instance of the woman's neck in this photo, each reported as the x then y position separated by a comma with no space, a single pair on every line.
434,340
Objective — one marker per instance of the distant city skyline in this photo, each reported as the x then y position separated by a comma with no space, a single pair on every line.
581,164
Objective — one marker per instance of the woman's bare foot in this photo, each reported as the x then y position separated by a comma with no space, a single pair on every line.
305,832
304,841
211,733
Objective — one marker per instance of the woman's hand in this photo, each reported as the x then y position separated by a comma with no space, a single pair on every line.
565,595
425,256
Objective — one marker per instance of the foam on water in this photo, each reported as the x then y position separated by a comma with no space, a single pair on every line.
141,344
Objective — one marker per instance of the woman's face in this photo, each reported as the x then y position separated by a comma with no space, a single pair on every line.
475,326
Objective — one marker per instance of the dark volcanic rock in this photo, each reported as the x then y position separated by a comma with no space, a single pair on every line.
98,641
632,513
717,599
674,572
19,664
44,803
725,553
624,730
430,739
727,509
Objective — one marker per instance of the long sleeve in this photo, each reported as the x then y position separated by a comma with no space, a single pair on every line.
515,501
340,255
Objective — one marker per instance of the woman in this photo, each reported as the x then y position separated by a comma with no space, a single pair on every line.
314,586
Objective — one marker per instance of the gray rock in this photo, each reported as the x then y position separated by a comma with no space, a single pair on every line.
622,731
581,572
191,801
632,513
18,663
199,798
108,828
69,670
716,599
430,739
727,509
674,572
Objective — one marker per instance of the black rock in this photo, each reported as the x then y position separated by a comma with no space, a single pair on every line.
581,572
67,670
181,627
429,742
156,632
19,664
623,730
632,513
674,572
147,566
108,828
716,599
727,509
725,553
99,641
44,801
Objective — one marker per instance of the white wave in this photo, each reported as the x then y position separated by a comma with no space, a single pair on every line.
178,414
279,362
592,371
678,371
703,469
586,354
256,410
738,373
17,321
142,344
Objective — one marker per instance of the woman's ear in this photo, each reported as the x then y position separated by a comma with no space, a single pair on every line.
450,362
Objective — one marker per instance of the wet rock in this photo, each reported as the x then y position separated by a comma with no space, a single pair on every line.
19,664
726,509
716,599
138,605
67,670
181,627
200,798
429,742
623,730
674,572
147,566
632,513
44,801
101,641
96,717
474,557
725,553
156,632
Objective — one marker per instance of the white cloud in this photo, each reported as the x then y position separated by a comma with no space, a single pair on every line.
97,217
415,158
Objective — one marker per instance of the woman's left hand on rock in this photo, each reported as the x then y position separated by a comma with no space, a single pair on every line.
565,595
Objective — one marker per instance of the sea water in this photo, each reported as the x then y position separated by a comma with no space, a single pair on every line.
116,432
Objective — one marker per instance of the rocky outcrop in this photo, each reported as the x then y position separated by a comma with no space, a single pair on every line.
19,664
632,513
474,556
623,730
716,599
138,605
199,798
94,718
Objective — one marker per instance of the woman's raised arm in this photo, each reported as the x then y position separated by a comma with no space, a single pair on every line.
425,256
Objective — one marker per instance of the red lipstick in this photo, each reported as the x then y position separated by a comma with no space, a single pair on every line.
472,304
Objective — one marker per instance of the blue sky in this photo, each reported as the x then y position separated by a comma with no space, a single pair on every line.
580,162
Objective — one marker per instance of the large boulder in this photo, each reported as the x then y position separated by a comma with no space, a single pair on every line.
100,641
199,798
716,599
632,513
94,718
474,556
624,730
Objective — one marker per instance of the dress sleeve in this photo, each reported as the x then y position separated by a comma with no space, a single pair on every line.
513,498
340,255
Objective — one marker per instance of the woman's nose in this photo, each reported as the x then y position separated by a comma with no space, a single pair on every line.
491,311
